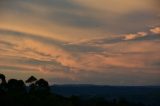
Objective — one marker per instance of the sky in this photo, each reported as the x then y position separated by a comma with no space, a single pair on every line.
109,42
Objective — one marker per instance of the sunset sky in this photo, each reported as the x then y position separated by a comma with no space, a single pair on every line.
112,42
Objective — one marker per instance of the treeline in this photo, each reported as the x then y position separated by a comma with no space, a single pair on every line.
37,93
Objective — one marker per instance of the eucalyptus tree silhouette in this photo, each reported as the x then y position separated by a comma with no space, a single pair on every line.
32,87
14,93
3,84
31,79
3,79
15,85
42,86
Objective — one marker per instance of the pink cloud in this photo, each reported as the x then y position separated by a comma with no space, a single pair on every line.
134,36
155,30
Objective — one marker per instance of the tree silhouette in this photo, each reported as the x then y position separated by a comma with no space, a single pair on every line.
42,86
3,84
31,79
32,87
3,79
15,85
14,93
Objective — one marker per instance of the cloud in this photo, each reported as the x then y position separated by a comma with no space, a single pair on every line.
102,42
16,68
155,30
74,20
117,52
134,36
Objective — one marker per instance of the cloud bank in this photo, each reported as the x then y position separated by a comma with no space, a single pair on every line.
81,41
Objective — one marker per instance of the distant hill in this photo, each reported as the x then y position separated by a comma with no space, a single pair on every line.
144,94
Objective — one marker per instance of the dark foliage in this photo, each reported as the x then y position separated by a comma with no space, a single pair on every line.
15,93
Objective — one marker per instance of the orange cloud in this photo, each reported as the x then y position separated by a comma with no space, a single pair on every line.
155,30
134,36
80,39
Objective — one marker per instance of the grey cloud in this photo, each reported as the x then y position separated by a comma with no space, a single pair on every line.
155,64
13,6
7,43
61,4
45,40
41,53
60,12
15,68
118,76
106,41
149,37
137,21
29,36
82,18
26,61
48,65
6,46
82,48
120,39
76,20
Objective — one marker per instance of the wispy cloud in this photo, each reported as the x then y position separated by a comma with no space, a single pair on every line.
155,30
134,36
81,41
